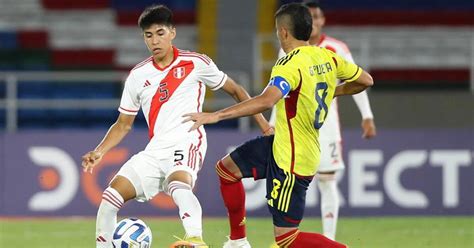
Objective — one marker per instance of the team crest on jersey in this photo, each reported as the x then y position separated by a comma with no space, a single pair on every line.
179,72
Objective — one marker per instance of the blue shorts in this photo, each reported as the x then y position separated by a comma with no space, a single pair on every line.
286,193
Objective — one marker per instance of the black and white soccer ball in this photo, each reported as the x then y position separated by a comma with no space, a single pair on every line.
132,233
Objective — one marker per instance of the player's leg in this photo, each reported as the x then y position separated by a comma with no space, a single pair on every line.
120,191
248,160
181,171
331,162
286,194
233,194
132,181
328,189
180,184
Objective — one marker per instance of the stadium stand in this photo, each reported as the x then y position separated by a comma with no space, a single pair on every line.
44,35
402,42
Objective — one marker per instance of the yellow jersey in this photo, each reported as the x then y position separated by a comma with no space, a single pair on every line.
307,77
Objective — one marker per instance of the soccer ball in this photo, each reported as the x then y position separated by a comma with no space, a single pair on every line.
132,233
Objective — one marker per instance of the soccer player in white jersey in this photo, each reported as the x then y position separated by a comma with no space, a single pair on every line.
330,133
165,86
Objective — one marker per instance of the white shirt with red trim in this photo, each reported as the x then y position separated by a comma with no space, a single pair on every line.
166,94
331,129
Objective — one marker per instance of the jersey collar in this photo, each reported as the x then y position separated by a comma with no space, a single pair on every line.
175,56
321,39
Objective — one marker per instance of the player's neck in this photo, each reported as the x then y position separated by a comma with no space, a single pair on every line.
315,40
166,60
294,44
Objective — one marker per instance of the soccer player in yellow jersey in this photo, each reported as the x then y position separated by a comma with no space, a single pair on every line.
302,85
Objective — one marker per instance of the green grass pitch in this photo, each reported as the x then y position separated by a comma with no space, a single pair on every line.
374,232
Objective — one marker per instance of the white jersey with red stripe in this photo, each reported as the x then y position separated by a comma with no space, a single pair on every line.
166,94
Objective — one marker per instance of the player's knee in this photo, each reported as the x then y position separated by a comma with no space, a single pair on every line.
280,232
113,197
123,187
177,185
225,176
326,177
181,176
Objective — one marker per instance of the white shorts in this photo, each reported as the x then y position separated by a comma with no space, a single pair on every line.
148,172
331,156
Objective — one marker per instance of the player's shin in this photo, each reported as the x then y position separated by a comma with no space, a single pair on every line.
329,204
190,211
233,194
111,203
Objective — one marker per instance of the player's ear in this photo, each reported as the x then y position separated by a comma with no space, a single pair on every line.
285,33
173,32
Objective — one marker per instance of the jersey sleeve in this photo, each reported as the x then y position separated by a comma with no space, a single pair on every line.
346,71
347,56
210,75
285,77
129,103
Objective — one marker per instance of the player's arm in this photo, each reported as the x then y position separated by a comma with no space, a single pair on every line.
355,79
252,106
129,106
362,101
368,125
363,82
240,94
357,87
116,133
272,119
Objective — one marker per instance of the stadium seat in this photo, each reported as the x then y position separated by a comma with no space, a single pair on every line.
24,59
83,4
8,40
101,117
2,118
34,90
83,59
3,89
36,39
135,5
34,118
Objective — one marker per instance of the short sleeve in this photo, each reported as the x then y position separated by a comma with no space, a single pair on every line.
288,73
347,56
210,75
346,71
129,103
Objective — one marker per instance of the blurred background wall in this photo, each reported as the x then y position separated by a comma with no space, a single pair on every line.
420,53
62,65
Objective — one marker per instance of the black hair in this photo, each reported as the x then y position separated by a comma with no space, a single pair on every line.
156,14
300,23
312,4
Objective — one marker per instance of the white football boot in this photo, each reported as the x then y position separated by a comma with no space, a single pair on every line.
238,243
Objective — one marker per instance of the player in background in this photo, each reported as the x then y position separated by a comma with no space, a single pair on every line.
165,86
330,134
302,85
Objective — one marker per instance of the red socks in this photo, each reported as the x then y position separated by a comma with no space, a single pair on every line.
233,193
297,239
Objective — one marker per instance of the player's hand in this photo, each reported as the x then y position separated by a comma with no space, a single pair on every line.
269,131
90,160
368,128
200,119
